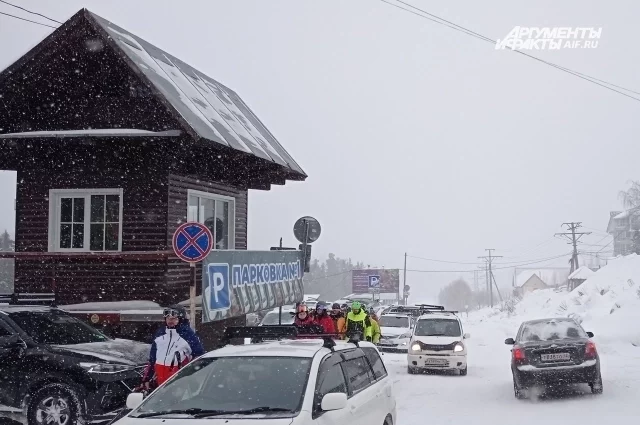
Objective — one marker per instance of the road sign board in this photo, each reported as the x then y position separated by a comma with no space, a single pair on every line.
192,242
300,227
374,282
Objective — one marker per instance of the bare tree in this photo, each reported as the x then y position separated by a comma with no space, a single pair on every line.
631,197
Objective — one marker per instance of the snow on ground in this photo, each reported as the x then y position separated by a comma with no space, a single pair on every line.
607,304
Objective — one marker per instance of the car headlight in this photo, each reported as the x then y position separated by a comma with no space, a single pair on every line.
458,348
105,367
415,347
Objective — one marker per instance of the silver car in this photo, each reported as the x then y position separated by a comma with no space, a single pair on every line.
396,332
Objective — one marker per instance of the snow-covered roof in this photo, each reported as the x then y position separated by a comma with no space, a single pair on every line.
212,110
286,348
104,132
114,306
550,276
583,272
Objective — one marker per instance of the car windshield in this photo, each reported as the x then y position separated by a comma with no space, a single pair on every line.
56,328
438,327
271,385
551,330
394,322
272,318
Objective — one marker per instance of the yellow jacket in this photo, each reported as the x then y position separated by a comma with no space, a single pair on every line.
375,331
358,322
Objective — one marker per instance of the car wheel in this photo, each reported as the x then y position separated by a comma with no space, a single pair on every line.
596,387
463,372
517,391
412,370
54,404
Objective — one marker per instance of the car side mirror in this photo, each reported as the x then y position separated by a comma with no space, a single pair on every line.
509,341
134,400
466,336
332,401
12,345
590,334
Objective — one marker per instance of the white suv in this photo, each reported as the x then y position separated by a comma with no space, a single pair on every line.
289,382
437,342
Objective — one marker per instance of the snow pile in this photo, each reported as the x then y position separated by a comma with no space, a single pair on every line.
607,303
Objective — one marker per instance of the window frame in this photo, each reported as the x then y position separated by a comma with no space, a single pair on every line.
343,364
55,196
232,213
375,352
331,360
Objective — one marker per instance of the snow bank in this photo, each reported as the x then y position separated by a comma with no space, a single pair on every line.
607,303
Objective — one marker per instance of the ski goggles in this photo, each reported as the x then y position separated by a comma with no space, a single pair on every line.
170,312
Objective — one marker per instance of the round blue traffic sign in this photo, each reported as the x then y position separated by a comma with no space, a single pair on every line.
192,242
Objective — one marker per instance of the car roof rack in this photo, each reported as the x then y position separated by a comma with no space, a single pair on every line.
278,333
30,299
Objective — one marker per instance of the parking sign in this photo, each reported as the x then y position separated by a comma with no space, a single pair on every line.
374,283
219,290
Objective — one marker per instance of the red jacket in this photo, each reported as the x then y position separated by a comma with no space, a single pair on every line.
327,323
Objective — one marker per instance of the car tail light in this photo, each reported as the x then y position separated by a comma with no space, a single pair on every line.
518,353
590,350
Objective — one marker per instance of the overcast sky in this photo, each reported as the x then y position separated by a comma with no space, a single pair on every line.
415,137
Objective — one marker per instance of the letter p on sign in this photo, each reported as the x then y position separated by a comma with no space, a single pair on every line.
219,287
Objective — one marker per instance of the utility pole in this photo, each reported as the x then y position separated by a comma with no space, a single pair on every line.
573,238
404,283
490,278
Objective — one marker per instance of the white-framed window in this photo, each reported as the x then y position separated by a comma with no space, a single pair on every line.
85,220
217,212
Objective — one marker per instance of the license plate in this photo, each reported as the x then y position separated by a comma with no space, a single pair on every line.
555,357
436,362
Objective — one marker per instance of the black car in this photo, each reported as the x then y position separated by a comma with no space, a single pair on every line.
58,370
553,352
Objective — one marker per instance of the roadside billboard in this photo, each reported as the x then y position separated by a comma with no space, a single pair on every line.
384,280
235,283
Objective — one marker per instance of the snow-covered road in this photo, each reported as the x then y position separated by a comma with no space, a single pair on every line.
485,395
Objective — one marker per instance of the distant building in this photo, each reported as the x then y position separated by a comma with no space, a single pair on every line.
578,277
531,280
532,284
622,225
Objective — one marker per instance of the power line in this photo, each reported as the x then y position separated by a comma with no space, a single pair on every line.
494,268
467,31
27,20
28,11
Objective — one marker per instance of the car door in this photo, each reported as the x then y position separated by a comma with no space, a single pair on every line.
330,379
384,385
11,365
363,393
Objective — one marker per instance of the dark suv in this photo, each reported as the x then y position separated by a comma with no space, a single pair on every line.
56,369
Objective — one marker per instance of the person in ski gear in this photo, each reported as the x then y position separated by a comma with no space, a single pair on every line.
303,318
338,318
375,328
358,322
323,319
174,345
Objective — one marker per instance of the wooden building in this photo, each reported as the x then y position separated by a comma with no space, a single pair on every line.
116,143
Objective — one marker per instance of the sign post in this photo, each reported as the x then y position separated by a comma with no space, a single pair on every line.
192,242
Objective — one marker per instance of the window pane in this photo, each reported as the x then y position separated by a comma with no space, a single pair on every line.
97,209
97,237
207,214
65,235
358,373
332,381
222,225
112,235
78,235
65,210
376,362
113,209
78,210
192,210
